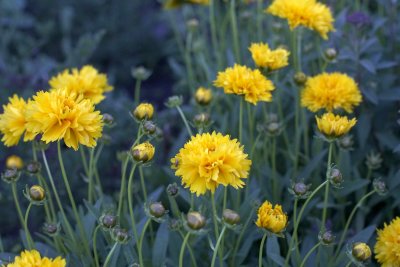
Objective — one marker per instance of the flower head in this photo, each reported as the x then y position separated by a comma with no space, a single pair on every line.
143,152
264,57
387,247
307,13
331,91
12,121
33,259
334,126
86,81
241,80
361,251
209,160
14,161
60,114
144,111
203,96
271,218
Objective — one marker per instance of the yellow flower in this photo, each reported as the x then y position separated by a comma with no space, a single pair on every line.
334,126
361,251
12,121
169,4
143,152
209,160
271,218
331,91
203,96
59,114
144,111
387,247
307,13
87,81
241,80
264,57
33,259
14,161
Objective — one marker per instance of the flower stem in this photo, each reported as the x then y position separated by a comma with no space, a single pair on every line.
110,254
328,170
215,221
27,233
216,248
184,120
141,242
309,254
130,204
48,205
241,236
137,91
259,19
214,38
235,36
143,184
260,253
274,178
90,176
122,189
16,201
182,252
240,120
96,256
190,250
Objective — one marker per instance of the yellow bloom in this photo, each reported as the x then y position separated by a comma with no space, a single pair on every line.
209,160
334,126
271,218
387,247
33,259
12,121
144,111
307,13
87,81
361,251
331,91
14,161
203,96
143,152
241,80
59,114
264,57
169,4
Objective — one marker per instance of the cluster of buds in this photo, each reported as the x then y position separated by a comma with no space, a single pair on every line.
300,190
156,211
35,194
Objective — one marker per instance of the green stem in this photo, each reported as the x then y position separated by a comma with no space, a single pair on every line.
96,256
110,254
215,221
349,264
240,119
328,170
84,161
190,250
184,120
309,254
241,236
346,227
182,252
214,38
235,36
188,60
259,19
130,204
143,184
225,198
122,189
216,248
16,201
48,205
90,176
274,178
96,173
141,242
137,91
27,233
260,253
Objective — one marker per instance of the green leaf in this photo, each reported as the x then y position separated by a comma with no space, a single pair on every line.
273,250
161,245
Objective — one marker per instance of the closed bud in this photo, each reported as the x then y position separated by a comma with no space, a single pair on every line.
335,177
51,229
140,73
174,101
144,111
326,238
120,235
274,128
37,193
203,96
361,252
346,142
143,152
33,167
108,119
10,175
157,210
380,186
300,190
272,117
374,161
149,127
174,224
14,162
300,78
201,120
173,190
108,221
230,217
195,220
192,24
330,54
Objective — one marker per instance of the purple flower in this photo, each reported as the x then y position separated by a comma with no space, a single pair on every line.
358,18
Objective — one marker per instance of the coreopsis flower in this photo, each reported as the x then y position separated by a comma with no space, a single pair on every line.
203,96
331,91
33,259
361,252
209,160
169,4
272,219
86,81
387,246
62,115
143,111
14,161
241,80
264,57
12,121
307,13
334,126
143,152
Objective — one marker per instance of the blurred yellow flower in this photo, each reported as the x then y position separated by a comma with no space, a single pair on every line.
387,247
33,259
59,114
264,57
143,152
87,81
12,121
169,4
203,96
271,218
331,91
14,161
334,126
209,160
144,111
241,80
308,13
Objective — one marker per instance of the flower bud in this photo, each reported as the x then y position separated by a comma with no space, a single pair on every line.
14,161
230,217
144,111
330,54
108,221
149,127
300,78
10,175
300,190
108,119
203,96
192,24
143,152
326,238
120,235
201,120
346,142
52,229
272,117
174,224
361,251
380,186
174,101
33,167
173,190
37,193
140,73
335,177
157,209
195,220
374,161
274,128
